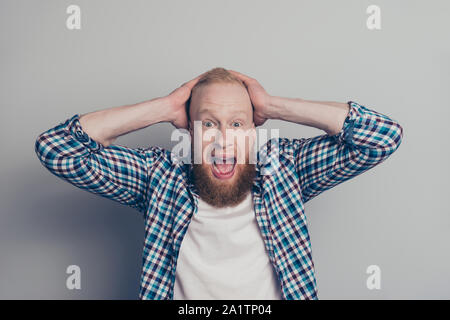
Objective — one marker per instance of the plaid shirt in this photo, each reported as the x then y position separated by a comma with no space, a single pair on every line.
159,185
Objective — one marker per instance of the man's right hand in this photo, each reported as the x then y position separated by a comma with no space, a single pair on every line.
177,100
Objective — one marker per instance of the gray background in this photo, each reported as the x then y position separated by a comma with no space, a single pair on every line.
395,216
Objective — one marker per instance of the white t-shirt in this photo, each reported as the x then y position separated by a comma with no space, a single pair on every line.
223,256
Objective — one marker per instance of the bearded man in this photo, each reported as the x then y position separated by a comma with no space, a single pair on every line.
221,226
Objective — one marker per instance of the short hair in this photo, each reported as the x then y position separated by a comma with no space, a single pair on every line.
216,75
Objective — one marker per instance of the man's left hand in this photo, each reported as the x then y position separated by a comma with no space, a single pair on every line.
259,97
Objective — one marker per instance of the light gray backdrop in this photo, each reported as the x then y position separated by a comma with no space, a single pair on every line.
395,216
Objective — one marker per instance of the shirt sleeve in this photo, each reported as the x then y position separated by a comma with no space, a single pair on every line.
115,172
366,139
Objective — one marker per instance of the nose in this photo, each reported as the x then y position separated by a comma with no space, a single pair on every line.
223,140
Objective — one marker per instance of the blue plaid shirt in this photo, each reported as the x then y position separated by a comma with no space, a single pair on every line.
156,183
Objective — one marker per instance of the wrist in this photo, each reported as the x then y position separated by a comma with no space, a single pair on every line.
159,110
279,107
273,108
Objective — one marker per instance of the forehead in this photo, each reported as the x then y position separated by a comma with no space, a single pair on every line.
220,98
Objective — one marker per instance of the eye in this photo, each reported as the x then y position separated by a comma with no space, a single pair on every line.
236,124
207,124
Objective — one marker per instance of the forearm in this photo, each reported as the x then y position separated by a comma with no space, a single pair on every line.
324,161
325,115
106,125
117,172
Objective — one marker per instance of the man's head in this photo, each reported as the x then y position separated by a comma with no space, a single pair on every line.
220,115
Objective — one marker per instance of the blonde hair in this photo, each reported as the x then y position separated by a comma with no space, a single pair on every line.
216,75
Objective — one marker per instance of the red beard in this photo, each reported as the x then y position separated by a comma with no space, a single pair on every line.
223,193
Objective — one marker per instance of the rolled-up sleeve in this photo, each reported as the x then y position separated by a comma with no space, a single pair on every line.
366,139
115,172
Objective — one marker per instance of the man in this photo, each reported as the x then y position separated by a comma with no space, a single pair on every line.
221,228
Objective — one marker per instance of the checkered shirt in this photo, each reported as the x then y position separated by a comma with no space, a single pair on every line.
159,185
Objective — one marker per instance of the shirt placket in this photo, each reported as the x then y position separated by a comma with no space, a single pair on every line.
181,222
262,219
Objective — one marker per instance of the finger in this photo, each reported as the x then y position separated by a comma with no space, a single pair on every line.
245,79
242,76
190,84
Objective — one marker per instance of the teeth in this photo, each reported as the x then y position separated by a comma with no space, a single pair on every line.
223,161
222,169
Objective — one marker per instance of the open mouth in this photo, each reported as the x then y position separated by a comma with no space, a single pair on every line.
223,168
